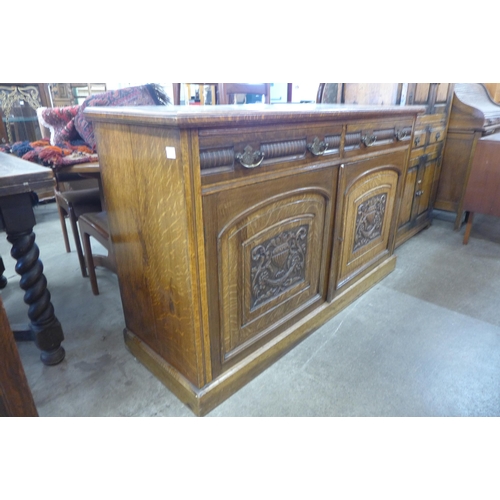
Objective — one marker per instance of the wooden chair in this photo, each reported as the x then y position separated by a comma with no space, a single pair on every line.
329,93
72,204
96,225
74,196
228,91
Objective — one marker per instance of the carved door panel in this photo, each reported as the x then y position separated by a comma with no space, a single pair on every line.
369,198
272,246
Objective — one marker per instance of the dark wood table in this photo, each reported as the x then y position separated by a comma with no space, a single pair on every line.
18,179
90,170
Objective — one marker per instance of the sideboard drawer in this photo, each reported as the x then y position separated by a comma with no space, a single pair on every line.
242,151
376,136
420,137
437,133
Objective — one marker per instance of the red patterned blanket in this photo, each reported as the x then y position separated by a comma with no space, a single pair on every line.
69,123
71,134
42,152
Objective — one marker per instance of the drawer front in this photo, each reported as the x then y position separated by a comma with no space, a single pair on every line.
429,152
420,138
376,136
436,134
237,153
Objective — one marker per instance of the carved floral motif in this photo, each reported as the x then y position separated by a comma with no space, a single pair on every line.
369,220
12,96
278,264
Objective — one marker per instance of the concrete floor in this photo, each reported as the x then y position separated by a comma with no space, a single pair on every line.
423,342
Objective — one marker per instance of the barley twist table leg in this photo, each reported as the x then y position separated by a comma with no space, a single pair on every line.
46,329
18,221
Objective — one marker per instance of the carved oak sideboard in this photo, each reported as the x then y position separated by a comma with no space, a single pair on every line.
238,230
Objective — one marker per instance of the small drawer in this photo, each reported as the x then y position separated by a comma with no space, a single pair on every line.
420,138
376,136
436,134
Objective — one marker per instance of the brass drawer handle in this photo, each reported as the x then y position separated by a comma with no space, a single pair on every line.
368,140
317,148
401,134
250,158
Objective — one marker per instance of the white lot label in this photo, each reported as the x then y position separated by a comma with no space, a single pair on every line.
170,152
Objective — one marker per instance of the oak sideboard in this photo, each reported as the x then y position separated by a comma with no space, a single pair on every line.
239,230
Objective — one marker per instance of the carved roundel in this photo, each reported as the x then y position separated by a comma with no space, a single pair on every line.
278,264
369,220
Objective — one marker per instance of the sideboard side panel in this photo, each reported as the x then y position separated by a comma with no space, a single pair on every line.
152,234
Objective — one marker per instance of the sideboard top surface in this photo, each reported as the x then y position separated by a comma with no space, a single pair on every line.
250,114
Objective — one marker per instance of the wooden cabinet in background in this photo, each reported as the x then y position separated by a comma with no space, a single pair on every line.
427,142
426,156
481,195
18,105
473,115
238,231
494,90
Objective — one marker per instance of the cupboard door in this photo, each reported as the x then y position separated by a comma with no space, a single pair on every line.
369,199
426,185
272,248
409,193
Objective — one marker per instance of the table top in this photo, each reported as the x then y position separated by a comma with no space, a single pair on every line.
21,176
82,168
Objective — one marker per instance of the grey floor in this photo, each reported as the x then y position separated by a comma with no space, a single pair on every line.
423,342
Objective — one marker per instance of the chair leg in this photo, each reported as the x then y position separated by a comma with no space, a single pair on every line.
62,218
470,219
90,263
79,251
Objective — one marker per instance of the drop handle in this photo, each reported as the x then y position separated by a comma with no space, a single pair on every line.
368,140
419,193
317,147
250,158
438,135
401,134
417,141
